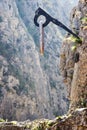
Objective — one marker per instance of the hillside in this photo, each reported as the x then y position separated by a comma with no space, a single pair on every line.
31,85
73,67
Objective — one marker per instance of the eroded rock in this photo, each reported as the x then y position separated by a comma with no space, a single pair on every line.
75,121
76,73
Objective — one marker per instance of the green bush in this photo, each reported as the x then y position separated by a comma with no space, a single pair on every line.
46,66
2,120
76,40
84,20
1,19
32,84
52,83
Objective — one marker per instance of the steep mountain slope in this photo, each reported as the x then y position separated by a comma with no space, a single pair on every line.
74,69
74,58
30,85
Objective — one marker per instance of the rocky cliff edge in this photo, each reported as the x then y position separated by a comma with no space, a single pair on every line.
73,61
75,121
74,70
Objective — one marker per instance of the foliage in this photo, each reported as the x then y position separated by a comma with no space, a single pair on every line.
1,20
73,48
46,66
14,122
16,72
50,123
52,83
55,113
83,102
2,120
32,84
1,94
85,28
46,55
59,118
7,88
7,50
76,40
84,20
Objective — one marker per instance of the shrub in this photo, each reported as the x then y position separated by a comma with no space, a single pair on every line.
1,20
2,120
84,20
77,41
52,83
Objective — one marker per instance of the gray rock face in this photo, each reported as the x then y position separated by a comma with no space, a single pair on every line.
74,62
30,85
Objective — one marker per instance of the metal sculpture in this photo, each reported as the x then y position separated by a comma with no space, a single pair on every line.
40,12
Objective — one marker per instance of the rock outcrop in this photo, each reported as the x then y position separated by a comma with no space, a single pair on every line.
73,58
76,121
74,70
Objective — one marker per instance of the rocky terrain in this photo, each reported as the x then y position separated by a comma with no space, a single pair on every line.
30,85
73,66
73,58
75,121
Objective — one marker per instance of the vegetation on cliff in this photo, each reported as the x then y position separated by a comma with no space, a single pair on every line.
73,65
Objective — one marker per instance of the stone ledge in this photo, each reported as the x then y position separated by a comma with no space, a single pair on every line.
75,121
